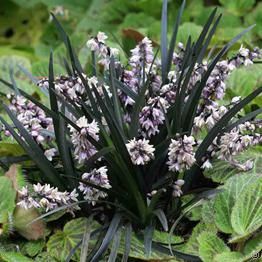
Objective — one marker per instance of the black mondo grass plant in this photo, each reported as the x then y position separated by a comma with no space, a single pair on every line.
128,143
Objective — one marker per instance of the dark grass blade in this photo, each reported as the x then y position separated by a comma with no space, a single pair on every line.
244,119
212,134
189,111
127,90
162,218
59,125
148,238
115,246
194,56
164,40
173,39
128,237
85,241
175,110
114,225
177,254
117,108
28,74
208,39
74,60
33,150
64,149
67,67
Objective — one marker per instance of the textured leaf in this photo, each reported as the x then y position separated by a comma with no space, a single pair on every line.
192,246
61,243
246,215
244,80
14,257
210,245
32,248
229,257
238,7
253,246
224,203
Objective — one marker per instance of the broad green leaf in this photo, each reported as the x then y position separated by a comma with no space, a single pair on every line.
244,80
246,215
32,248
229,257
253,246
10,149
7,198
188,29
223,205
210,245
255,17
207,212
137,250
61,243
44,257
192,245
238,7
14,257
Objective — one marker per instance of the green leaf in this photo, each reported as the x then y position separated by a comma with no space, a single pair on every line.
244,80
32,248
253,246
14,257
137,250
44,257
239,7
114,225
7,198
223,205
229,257
192,246
210,245
60,244
246,215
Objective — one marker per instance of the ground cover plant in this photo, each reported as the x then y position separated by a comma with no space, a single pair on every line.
139,157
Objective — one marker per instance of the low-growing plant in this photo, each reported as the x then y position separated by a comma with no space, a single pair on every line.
128,145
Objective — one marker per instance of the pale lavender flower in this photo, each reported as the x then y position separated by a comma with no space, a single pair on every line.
177,192
140,151
180,153
97,177
47,197
84,149
152,116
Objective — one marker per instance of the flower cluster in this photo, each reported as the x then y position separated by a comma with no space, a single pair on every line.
209,116
83,148
177,192
152,116
98,45
236,141
34,120
181,154
141,152
47,197
97,177
72,87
